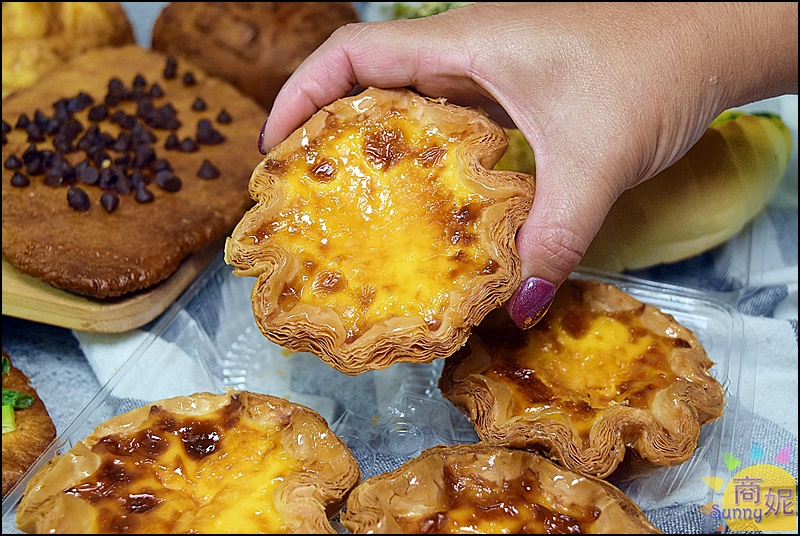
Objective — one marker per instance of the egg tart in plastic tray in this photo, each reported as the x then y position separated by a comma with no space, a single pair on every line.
208,342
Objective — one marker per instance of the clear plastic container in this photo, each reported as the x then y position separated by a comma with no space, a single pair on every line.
208,341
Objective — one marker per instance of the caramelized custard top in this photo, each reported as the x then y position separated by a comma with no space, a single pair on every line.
212,473
381,219
577,362
518,506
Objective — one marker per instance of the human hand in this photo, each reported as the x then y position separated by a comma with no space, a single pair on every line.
607,95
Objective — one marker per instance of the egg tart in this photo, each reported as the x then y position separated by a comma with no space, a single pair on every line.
381,233
487,489
602,384
210,463
32,430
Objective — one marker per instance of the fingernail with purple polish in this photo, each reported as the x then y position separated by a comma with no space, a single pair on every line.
531,301
261,137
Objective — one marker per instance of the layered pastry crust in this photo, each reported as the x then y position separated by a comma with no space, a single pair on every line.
381,233
35,430
211,463
490,490
600,379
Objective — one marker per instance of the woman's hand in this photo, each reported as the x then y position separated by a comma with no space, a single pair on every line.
606,94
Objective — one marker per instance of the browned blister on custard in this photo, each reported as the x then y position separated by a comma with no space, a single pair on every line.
483,489
602,380
207,463
381,233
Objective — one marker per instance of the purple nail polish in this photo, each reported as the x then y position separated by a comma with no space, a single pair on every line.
261,137
531,301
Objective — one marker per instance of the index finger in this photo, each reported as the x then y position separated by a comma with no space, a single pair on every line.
383,54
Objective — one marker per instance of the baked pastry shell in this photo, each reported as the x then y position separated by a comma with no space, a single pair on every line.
321,331
624,442
419,489
35,430
305,499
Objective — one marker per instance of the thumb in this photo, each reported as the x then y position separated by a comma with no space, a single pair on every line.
563,221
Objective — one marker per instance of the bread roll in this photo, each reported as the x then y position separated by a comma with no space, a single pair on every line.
38,36
255,46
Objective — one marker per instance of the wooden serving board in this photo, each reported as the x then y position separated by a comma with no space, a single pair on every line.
32,299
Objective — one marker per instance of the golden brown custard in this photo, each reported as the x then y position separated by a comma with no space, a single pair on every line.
178,473
234,466
381,220
381,216
518,506
601,372
480,489
577,363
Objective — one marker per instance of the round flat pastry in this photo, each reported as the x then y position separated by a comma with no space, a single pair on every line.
207,463
486,489
601,376
34,428
381,233
119,165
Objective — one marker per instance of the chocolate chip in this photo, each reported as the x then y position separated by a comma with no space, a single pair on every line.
98,113
199,105
22,122
115,85
52,126
139,82
224,117
30,153
36,166
137,179
123,183
35,134
171,69
208,171
143,195
160,165
20,180
78,199
106,178
53,177
188,145
144,155
113,99
167,181
12,162
99,157
141,135
189,79
110,201
71,128
63,145
172,142
123,161
79,102
41,119
122,144
87,173
123,120
207,134
6,127
156,91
